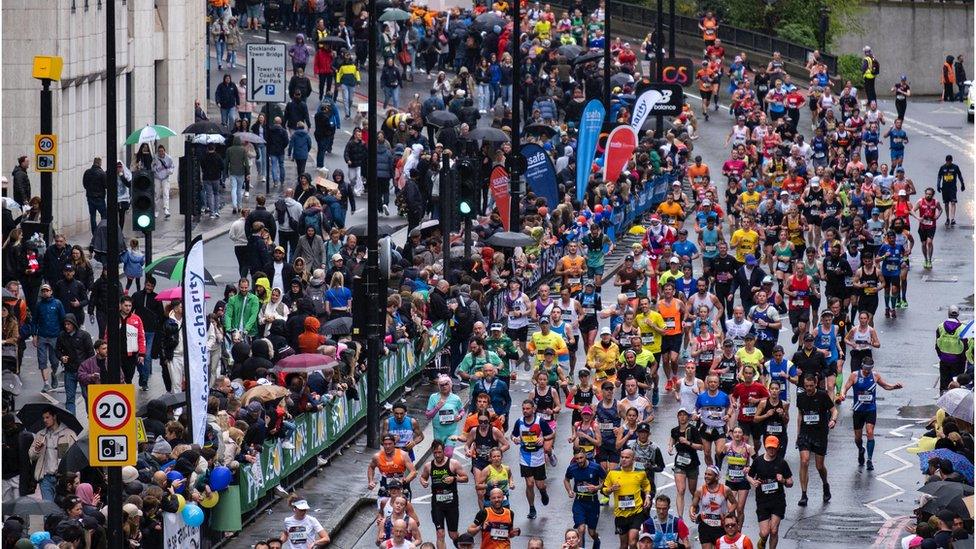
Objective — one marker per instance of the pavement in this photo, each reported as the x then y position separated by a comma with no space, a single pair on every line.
868,507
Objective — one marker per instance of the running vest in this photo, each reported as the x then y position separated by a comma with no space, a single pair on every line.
865,393
483,444
774,425
871,282
403,431
516,304
442,492
569,311
736,461
707,347
727,379
608,419
697,302
712,506
544,402
496,531
862,339
801,289
688,394
392,467
672,316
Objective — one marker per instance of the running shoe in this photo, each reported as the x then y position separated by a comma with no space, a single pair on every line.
894,313
532,514
668,386
870,465
860,456
803,500
544,497
903,304
655,398
826,492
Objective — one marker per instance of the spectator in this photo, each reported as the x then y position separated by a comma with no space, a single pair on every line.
21,181
171,348
287,217
277,142
50,445
348,76
150,310
55,258
93,181
296,111
300,145
241,316
74,346
326,124
227,98
133,262
212,169
238,170
300,85
134,353
71,293
48,317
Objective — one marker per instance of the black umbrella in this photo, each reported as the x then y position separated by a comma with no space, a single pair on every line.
338,326
202,127
336,42
487,21
508,239
171,268
587,57
443,119
542,130
77,456
491,135
959,506
30,416
570,51
621,79
946,490
171,400
26,506
383,229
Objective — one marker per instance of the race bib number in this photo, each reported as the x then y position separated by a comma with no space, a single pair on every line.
499,533
529,439
574,280
712,520
647,339
446,416
626,502
737,474
811,419
589,310
606,426
669,323
682,460
630,295
769,487
727,376
865,397
774,429
546,417
444,498
749,411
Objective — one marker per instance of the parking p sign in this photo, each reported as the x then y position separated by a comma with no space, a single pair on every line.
266,65
111,425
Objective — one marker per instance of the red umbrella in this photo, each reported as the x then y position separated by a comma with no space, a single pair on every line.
305,362
175,292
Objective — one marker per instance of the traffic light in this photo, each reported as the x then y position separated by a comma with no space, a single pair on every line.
143,201
469,202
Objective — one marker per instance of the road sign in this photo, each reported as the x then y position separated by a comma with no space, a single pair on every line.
46,143
45,162
111,425
266,65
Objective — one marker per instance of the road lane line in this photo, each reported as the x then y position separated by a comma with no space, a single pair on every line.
896,490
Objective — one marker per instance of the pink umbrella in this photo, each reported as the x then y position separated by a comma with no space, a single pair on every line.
305,362
175,292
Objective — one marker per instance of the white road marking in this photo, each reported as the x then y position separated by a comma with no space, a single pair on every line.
896,490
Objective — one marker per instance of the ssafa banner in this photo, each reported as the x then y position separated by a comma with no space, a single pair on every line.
645,104
177,534
195,339
589,133
498,183
540,174
620,145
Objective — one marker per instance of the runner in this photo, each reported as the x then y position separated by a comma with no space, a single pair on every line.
495,523
586,433
929,211
393,464
816,415
570,268
587,478
799,288
480,442
652,330
733,538
546,339
443,474
534,436
868,280
746,396
387,525
769,475
445,411
946,179
773,414
603,357
684,444
595,242
647,455
766,323
590,302
738,455
608,419
737,330
632,399
302,531
861,339
631,494
865,405
671,309
496,475
384,505
406,429
581,394
546,398
687,389
710,504
663,530
727,366
713,409
517,310
782,371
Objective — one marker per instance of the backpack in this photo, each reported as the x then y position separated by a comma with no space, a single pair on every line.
312,219
281,213
875,66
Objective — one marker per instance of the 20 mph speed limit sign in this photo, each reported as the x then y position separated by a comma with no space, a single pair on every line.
111,425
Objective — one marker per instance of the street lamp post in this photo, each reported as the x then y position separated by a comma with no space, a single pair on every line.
659,61
606,55
375,306
515,190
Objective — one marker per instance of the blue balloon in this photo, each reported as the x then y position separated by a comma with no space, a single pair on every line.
220,478
38,538
172,477
192,515
587,213
606,201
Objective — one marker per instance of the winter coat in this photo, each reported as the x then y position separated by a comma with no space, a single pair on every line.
258,253
262,214
323,62
300,144
66,292
312,250
211,166
299,51
296,111
48,315
245,308
64,438
385,162
355,153
22,185
132,263
94,182
277,140
226,95
54,261
235,159
77,345
326,122
300,85
91,371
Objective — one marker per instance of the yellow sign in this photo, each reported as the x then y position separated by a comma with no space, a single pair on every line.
46,143
45,162
112,425
140,431
47,67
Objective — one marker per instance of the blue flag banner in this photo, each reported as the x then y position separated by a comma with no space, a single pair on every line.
590,124
540,174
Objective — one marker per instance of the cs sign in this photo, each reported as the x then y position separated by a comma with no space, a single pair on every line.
679,71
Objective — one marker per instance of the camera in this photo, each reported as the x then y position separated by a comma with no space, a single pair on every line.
112,448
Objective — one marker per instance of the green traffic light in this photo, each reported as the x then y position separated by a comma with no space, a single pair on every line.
143,221
465,208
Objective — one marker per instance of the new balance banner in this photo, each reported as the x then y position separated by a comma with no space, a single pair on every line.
540,174
195,340
620,145
498,183
589,132
665,99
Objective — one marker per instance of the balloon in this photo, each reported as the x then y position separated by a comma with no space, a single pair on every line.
606,201
38,538
543,211
581,219
173,476
210,501
587,213
192,515
598,208
182,501
220,478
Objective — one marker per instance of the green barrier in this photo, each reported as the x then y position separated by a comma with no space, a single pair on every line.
316,432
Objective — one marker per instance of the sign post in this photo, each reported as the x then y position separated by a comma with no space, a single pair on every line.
112,429
267,83
45,152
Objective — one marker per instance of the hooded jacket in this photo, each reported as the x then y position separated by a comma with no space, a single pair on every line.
300,144
316,293
326,122
77,345
299,51
67,291
310,339
242,312
235,159
296,321
48,315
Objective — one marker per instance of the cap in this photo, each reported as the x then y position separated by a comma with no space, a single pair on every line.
587,410
605,330
683,410
302,504
767,280
589,283
279,249
674,260
549,351
162,446
646,535
544,319
784,193
629,258
337,257
875,211
808,337
132,510
728,343
496,327
771,442
69,267
643,428
584,373
751,260
953,310
129,473
45,286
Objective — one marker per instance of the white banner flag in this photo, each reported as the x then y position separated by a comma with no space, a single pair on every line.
177,534
645,103
195,333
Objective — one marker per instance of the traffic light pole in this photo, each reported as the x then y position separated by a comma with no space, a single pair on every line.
116,343
514,189
376,304
659,62
149,247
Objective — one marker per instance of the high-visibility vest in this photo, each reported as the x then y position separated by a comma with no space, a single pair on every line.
949,342
869,71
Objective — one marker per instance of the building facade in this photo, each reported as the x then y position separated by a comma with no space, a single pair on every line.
160,56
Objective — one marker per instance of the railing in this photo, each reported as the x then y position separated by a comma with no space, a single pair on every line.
732,36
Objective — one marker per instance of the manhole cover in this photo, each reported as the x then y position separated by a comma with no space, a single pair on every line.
947,279
924,411
827,529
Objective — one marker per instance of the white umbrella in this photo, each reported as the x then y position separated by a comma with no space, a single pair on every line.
958,403
209,139
967,331
149,134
